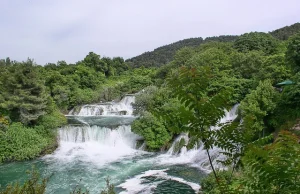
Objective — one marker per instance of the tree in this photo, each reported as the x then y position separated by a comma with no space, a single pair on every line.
94,61
274,68
247,64
183,55
257,105
215,58
150,99
23,92
256,41
200,111
293,52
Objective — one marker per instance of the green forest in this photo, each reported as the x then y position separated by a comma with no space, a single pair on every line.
182,87
165,54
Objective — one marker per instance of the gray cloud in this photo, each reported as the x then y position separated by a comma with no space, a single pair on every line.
52,30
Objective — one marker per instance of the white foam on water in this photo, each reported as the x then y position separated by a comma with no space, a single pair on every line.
98,145
197,157
135,185
124,107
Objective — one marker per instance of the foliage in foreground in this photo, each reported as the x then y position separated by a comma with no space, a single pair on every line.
270,169
34,185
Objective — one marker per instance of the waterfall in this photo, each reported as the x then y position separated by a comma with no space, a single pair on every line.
197,156
179,144
95,144
121,136
101,133
123,107
230,115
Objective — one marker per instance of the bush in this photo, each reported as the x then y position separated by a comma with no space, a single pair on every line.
153,130
273,168
209,184
52,120
21,143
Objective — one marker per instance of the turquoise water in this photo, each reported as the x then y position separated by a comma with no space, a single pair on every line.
65,175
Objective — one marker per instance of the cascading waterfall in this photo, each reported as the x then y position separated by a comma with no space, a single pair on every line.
196,156
94,143
98,145
121,135
107,109
176,146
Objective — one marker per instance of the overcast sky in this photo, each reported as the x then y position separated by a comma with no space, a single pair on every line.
52,30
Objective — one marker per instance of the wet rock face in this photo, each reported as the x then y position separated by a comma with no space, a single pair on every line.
123,112
179,145
297,126
99,112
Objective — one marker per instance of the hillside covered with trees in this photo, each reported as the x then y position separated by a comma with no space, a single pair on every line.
165,54
285,32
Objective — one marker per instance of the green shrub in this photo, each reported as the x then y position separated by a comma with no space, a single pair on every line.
273,168
153,130
53,120
21,143
209,184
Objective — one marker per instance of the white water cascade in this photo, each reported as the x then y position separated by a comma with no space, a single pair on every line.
98,144
196,156
123,107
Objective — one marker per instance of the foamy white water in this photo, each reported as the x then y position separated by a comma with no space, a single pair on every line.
123,107
197,157
98,145
135,184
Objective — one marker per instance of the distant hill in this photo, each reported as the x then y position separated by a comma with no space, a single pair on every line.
285,32
163,55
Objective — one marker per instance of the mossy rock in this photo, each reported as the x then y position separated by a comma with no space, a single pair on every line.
178,145
139,144
76,110
123,112
192,142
